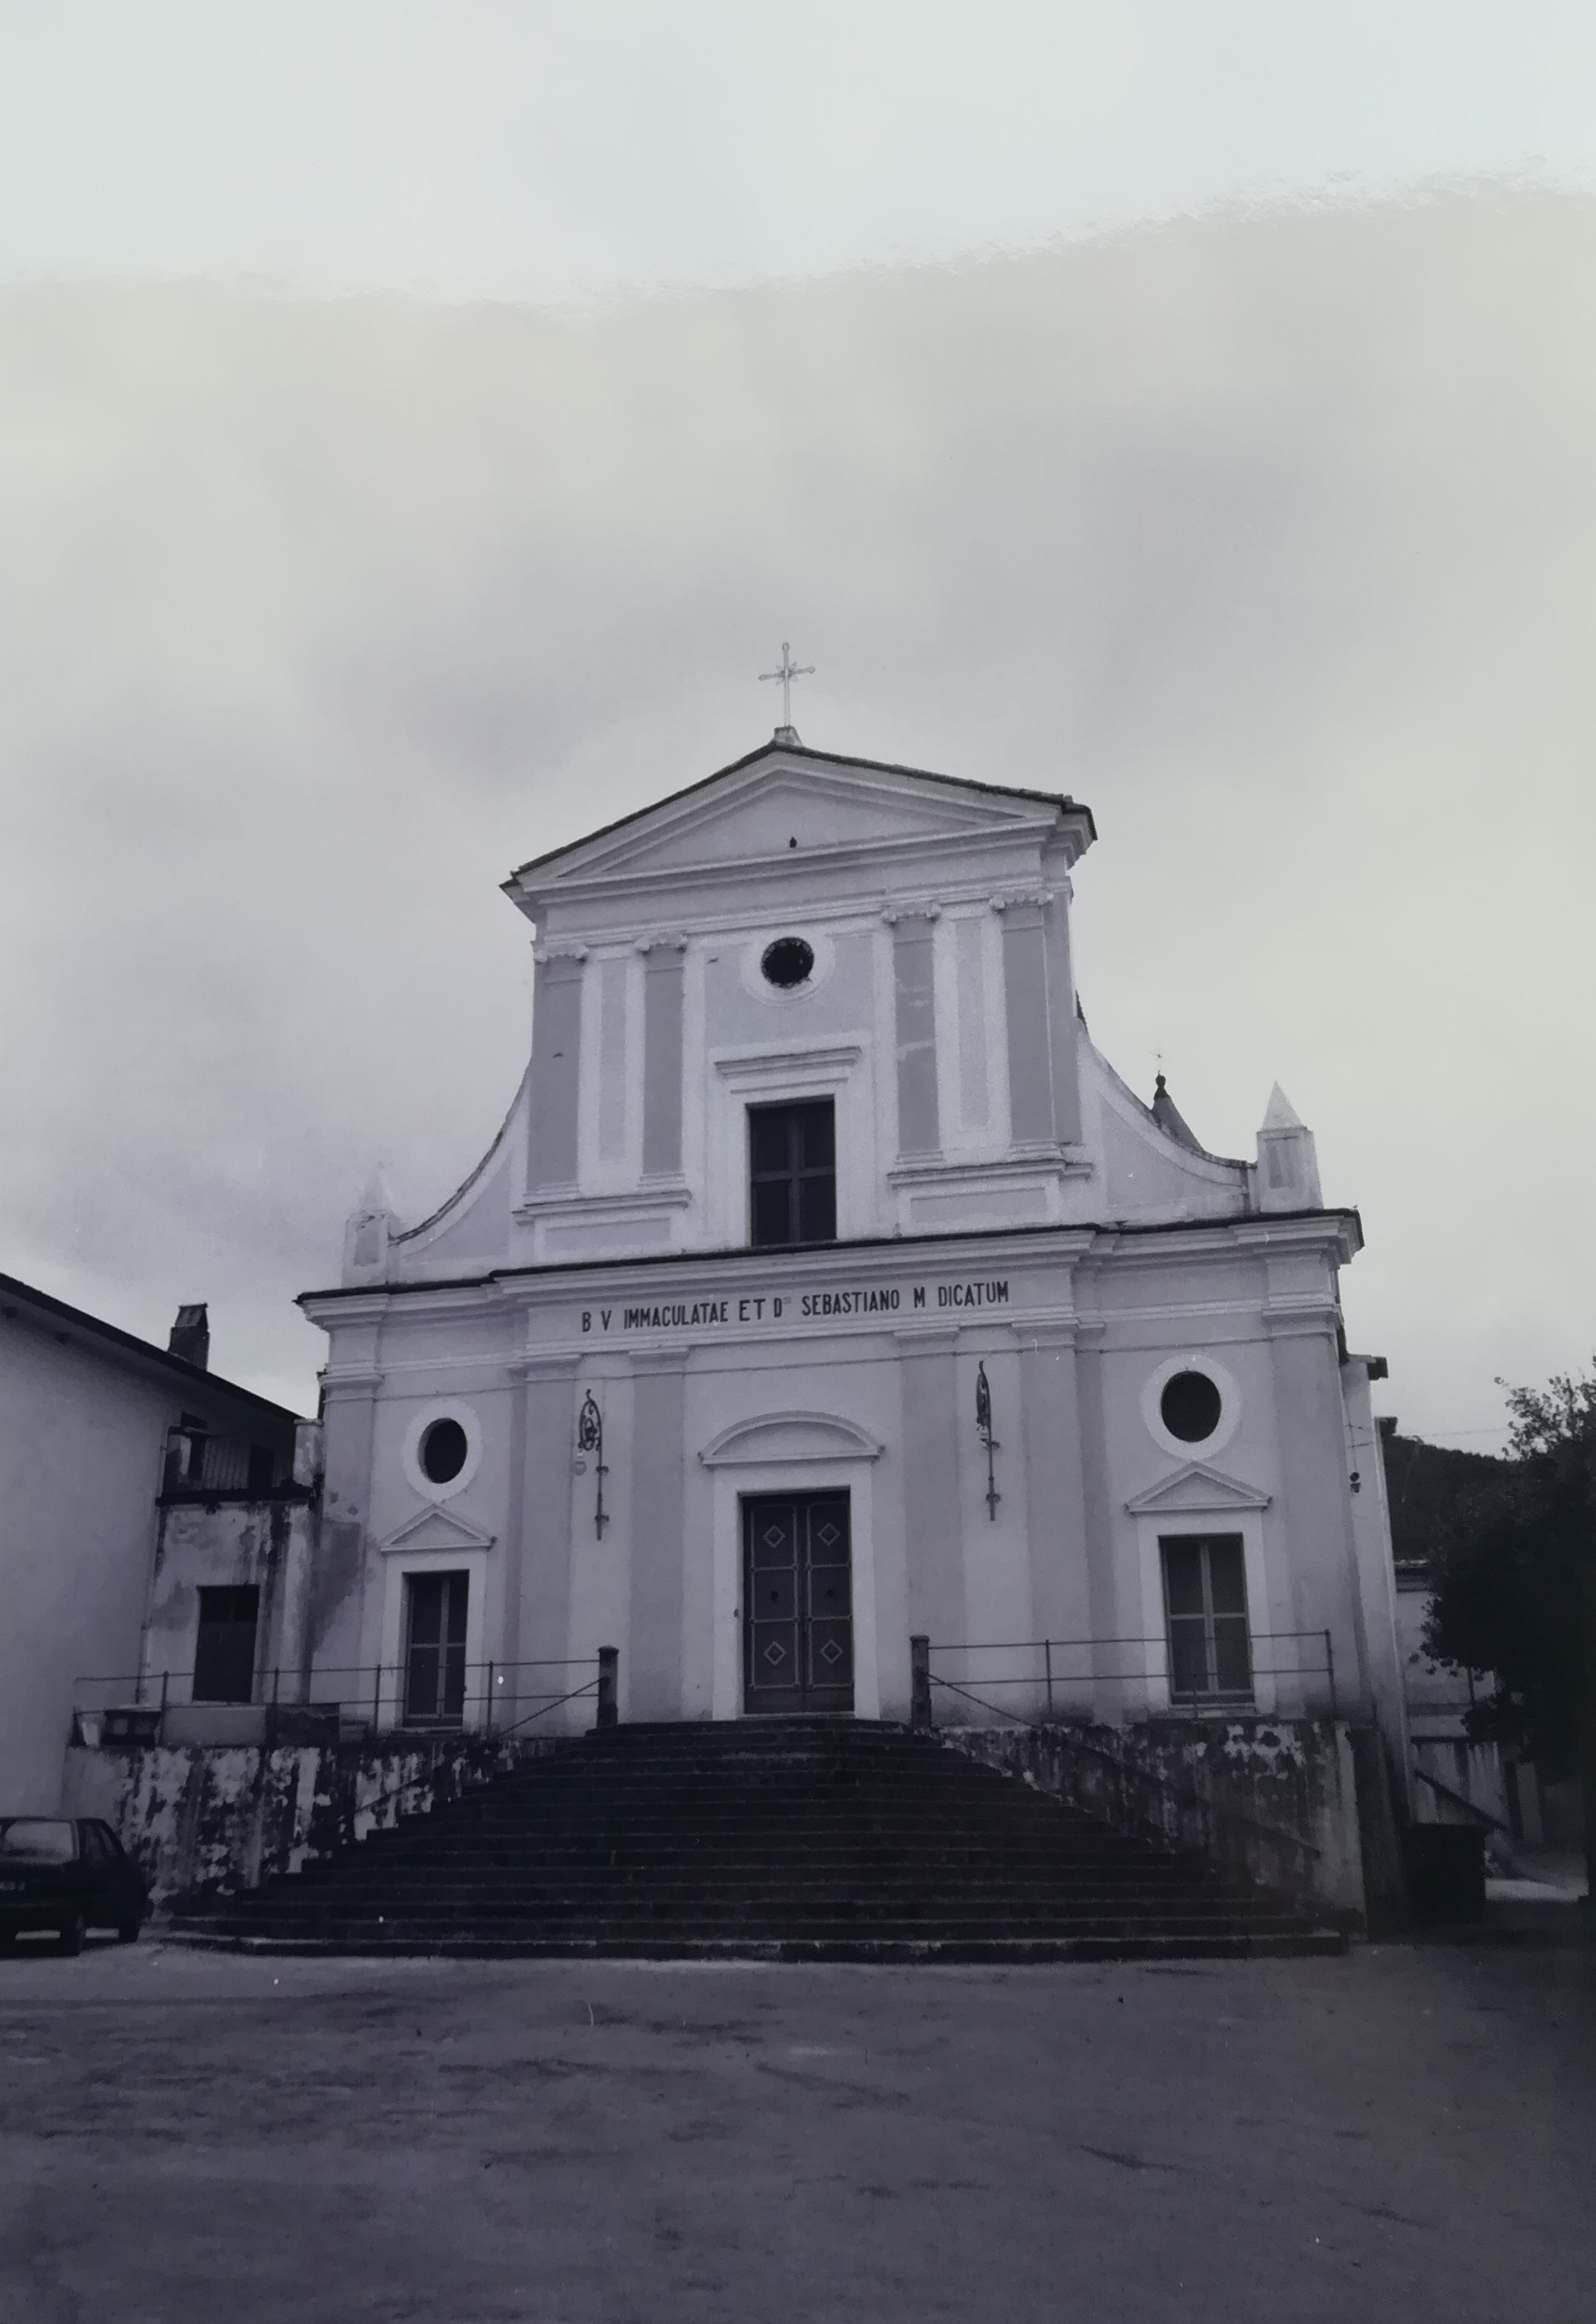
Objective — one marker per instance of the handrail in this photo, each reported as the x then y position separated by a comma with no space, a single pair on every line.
1188,1797
415,1782
1016,1645
1482,1815
575,1696
376,1696
1045,1674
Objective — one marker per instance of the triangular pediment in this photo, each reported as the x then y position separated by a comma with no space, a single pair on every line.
1196,1490
785,802
437,1529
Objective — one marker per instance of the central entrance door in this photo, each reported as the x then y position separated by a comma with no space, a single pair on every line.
798,1604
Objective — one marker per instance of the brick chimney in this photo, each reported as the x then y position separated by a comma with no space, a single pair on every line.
190,1336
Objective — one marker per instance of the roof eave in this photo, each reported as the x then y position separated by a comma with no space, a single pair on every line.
1055,799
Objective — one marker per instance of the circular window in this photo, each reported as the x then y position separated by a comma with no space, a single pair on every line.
787,962
442,1451
1190,1406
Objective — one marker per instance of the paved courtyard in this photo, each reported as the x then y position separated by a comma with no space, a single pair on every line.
200,2139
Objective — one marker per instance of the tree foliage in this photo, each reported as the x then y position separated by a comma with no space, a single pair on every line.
1515,1580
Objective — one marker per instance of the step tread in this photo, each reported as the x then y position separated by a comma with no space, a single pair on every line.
787,1841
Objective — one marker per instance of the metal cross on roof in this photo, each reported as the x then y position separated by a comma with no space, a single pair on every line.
788,670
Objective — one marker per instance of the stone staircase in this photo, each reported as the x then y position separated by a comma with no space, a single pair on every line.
785,1840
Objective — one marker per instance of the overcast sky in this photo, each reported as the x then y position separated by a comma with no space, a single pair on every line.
419,424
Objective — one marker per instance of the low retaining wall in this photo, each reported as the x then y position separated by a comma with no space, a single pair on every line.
202,1818
1271,1802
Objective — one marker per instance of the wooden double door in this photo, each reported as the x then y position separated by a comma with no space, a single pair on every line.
798,1603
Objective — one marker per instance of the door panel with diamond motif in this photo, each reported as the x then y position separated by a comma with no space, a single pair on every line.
798,1608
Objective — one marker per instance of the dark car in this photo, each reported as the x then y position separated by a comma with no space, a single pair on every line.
68,1874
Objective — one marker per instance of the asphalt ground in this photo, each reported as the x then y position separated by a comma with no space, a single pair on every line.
1405,2133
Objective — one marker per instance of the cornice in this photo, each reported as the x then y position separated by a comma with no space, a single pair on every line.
943,1251
1302,1230
1298,1319
1020,1164
740,869
1056,1327
662,1193
825,1057
338,1387
362,1303
528,1367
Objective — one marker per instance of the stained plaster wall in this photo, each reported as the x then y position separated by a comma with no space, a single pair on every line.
82,1445
269,1544
1275,1802
199,1818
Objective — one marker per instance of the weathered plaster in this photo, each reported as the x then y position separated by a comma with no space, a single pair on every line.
203,1818
1274,1801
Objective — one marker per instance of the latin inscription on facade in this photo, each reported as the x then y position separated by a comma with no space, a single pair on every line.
789,1307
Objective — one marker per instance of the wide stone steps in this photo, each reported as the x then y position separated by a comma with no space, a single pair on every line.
778,1841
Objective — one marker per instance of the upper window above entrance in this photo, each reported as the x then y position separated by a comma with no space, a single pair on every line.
793,1173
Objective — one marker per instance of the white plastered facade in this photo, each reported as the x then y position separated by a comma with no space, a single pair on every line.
1006,1209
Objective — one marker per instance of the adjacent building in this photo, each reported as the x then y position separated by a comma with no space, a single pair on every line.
99,1434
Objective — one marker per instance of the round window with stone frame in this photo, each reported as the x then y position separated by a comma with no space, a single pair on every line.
442,1451
1190,1406
787,964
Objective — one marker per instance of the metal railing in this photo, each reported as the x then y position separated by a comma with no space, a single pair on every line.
1177,1808
490,1698
1065,1676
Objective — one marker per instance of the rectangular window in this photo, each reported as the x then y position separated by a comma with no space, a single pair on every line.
435,1649
224,1648
793,1173
1205,1604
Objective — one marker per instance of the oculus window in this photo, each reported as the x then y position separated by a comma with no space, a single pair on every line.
442,1451
787,963
792,1174
1190,1406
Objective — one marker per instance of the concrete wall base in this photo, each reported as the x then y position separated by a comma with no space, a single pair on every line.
207,1819
1276,1803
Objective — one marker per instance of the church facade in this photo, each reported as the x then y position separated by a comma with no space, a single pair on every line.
826,1290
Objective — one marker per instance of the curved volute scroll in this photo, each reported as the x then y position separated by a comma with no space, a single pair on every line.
789,1436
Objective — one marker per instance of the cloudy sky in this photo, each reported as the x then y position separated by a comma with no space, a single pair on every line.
420,423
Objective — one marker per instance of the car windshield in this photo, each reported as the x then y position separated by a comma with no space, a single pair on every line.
42,1840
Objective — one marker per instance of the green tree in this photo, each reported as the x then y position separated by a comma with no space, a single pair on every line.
1515,1588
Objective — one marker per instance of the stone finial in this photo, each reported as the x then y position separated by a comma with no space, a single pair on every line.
1287,1160
1170,1120
366,1231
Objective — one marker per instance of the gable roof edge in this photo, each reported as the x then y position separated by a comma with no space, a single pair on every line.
1060,800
